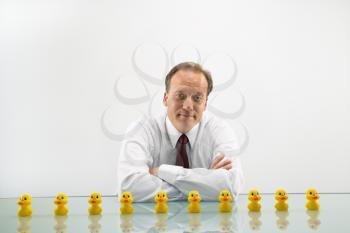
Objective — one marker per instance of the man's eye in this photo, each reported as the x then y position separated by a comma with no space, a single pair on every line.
197,98
181,96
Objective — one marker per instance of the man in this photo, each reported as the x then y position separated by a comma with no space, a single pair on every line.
184,148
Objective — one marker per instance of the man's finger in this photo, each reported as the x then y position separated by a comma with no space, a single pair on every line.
227,167
216,160
222,163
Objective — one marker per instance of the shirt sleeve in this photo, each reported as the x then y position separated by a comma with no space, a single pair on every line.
209,182
133,168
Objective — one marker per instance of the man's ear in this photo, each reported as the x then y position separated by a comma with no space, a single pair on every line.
165,99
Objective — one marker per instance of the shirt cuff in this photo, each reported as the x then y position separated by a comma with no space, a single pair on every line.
169,173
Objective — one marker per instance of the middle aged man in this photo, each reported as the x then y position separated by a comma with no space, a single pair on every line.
182,149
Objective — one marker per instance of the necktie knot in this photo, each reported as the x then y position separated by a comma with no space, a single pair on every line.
183,139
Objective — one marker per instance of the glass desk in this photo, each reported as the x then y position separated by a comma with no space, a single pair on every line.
333,216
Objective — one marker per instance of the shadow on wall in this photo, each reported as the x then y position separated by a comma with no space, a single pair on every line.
226,101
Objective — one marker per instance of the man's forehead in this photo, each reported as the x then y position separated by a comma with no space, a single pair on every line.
190,79
189,89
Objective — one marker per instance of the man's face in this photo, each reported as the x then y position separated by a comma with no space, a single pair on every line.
186,99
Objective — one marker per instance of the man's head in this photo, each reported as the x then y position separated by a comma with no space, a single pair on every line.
187,87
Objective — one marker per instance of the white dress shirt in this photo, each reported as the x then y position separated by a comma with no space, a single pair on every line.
150,143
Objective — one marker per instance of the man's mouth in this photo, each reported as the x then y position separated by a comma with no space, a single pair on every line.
185,115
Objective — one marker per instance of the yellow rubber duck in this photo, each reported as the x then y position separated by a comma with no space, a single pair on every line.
312,197
225,199
126,200
254,198
95,200
24,202
281,198
194,199
161,198
61,201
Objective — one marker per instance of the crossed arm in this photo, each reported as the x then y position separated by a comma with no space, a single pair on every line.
218,162
136,174
145,182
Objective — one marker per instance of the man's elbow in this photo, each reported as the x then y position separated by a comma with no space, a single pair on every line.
231,181
137,186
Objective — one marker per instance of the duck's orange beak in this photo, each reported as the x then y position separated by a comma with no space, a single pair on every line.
93,201
256,198
58,202
315,197
20,202
283,198
225,198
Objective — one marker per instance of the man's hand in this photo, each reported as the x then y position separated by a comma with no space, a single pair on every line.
221,162
154,171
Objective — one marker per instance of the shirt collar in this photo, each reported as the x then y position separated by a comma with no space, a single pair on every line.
174,134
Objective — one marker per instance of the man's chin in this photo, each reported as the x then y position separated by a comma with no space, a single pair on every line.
185,125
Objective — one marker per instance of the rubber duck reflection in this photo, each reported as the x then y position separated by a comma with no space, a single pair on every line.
24,224
313,221
161,225
95,225
194,223
126,224
282,219
226,222
255,222
60,224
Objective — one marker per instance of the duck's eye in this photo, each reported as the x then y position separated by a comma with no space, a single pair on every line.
25,198
163,195
192,194
62,197
96,197
222,194
128,195
92,196
280,194
310,193
252,194
123,196
157,195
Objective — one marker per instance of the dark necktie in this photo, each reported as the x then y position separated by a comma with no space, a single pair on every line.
181,155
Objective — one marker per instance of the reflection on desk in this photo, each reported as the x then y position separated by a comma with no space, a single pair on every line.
333,215
282,219
60,225
314,221
24,224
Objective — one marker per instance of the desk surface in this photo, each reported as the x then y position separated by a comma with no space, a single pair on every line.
333,216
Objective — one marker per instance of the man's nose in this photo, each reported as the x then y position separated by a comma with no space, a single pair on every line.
188,104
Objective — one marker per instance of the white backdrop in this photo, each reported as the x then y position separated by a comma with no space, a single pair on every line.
74,74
